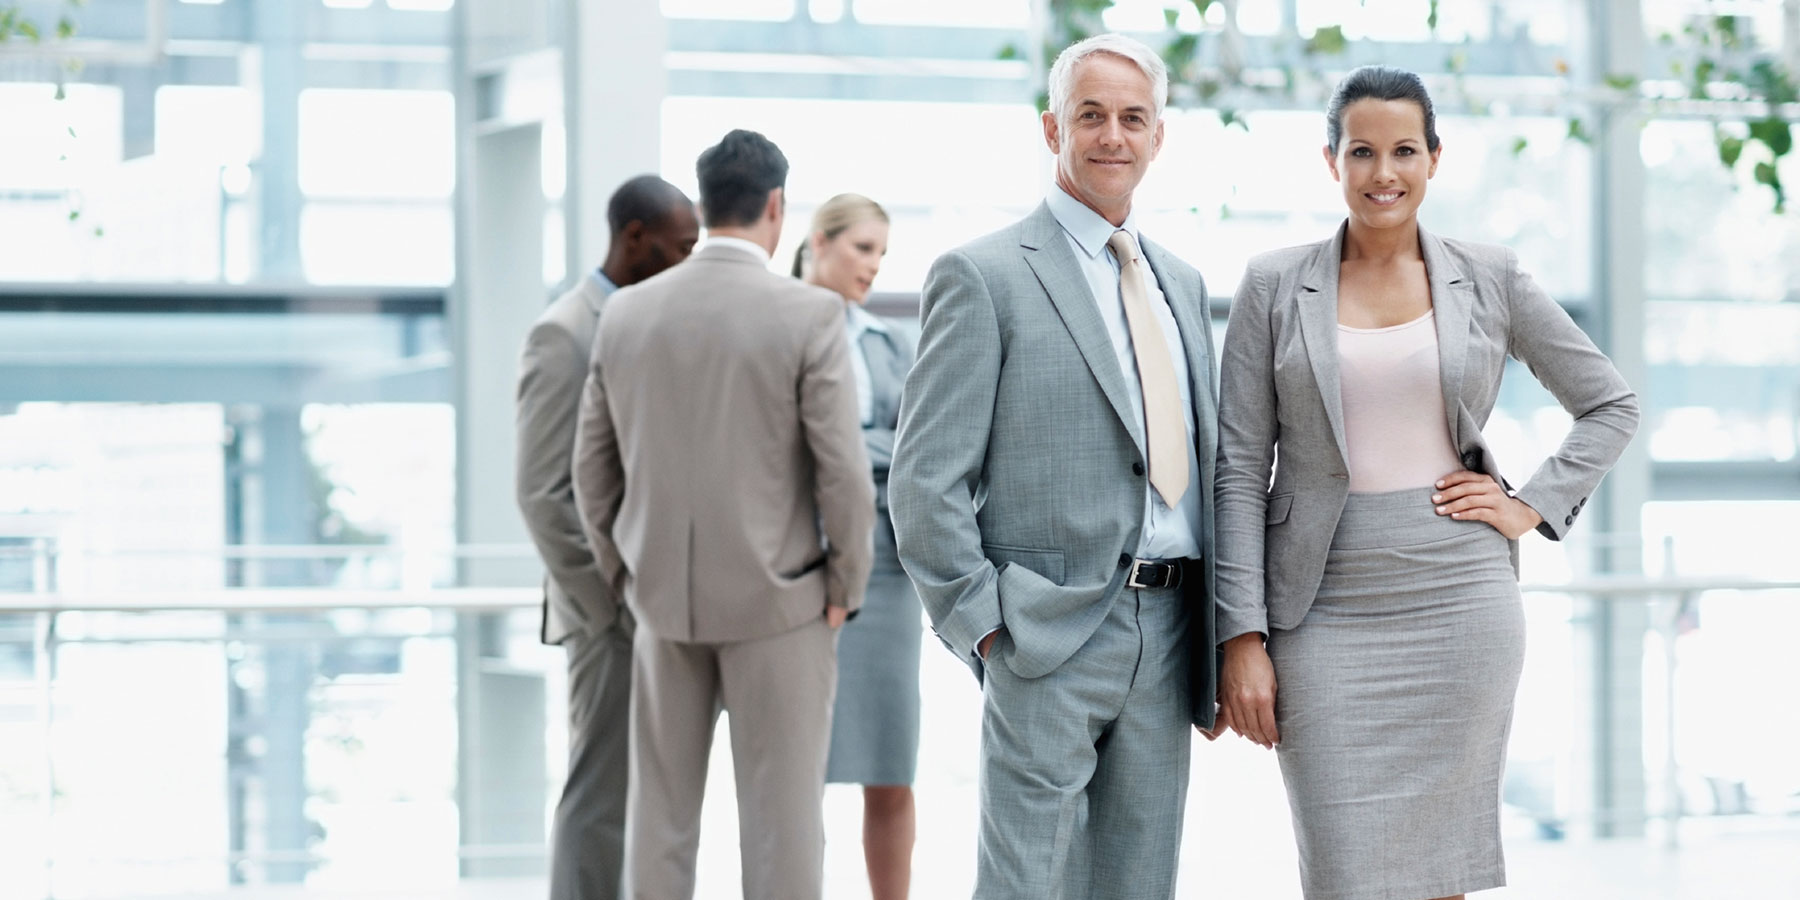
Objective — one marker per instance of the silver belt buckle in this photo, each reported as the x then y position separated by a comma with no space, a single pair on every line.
1131,580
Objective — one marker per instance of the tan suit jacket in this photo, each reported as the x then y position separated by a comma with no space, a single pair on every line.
552,368
719,462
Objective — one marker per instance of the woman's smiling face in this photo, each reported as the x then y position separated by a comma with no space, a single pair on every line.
1382,161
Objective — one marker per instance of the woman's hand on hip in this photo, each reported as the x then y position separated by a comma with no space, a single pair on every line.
1247,689
1476,497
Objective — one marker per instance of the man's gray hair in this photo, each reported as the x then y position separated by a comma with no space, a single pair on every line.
1062,73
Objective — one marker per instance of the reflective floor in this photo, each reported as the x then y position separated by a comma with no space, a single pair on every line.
1237,842
1723,868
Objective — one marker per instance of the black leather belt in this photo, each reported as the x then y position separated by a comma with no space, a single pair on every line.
1158,573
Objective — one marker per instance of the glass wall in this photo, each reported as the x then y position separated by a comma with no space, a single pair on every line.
229,421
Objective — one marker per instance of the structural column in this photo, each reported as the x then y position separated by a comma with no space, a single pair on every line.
502,787
1612,654
279,29
614,83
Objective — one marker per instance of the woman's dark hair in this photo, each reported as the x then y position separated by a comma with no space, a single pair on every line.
1377,83
736,176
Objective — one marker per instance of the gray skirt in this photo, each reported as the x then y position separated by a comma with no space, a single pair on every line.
1394,698
875,718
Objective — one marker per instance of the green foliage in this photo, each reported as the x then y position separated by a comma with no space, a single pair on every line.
1328,39
14,23
1719,47
1621,82
1718,42
1730,148
1703,76
1765,174
1774,133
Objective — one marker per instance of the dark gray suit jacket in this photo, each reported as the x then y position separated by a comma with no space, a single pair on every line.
1280,394
1014,493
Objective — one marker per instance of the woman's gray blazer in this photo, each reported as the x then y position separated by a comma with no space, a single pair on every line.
1279,385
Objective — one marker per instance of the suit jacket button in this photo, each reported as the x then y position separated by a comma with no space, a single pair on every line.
1568,520
1582,503
1124,560
1575,510
1137,468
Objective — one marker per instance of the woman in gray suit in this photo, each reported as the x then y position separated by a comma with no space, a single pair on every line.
1368,600
875,722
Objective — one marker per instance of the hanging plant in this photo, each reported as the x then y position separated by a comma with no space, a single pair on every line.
1751,94
18,27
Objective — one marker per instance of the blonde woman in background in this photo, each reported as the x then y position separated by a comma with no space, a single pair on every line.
875,723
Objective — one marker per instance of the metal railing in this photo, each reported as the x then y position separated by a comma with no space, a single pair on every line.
1667,597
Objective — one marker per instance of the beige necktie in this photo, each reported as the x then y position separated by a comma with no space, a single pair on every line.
1164,426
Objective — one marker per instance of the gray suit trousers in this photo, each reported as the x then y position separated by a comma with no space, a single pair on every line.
778,693
1084,771
587,843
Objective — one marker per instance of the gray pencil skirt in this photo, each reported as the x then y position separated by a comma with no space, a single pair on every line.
875,719
1394,697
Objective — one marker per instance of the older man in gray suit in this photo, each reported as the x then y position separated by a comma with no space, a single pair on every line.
1052,497
719,465
652,227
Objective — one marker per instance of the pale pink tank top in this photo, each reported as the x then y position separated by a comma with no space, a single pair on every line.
1394,407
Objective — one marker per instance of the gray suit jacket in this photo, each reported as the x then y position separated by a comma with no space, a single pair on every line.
1013,491
551,371
1280,394
718,462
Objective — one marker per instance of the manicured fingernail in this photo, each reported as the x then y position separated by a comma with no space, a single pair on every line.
1436,497
1440,482
1441,509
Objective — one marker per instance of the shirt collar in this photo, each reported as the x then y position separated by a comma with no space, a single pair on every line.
738,244
861,320
606,284
1089,229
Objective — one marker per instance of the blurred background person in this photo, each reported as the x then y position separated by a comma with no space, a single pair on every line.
875,724
723,482
652,226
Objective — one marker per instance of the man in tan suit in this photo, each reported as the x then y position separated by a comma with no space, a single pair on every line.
720,469
652,227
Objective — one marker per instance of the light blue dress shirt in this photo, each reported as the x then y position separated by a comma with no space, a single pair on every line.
1168,533
605,283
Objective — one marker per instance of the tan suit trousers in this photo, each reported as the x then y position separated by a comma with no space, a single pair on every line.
777,692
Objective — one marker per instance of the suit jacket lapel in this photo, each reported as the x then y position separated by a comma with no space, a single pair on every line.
1191,319
1047,253
1318,302
1450,303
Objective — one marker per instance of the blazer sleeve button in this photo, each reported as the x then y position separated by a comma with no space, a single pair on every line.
1568,520
1575,510
1137,468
